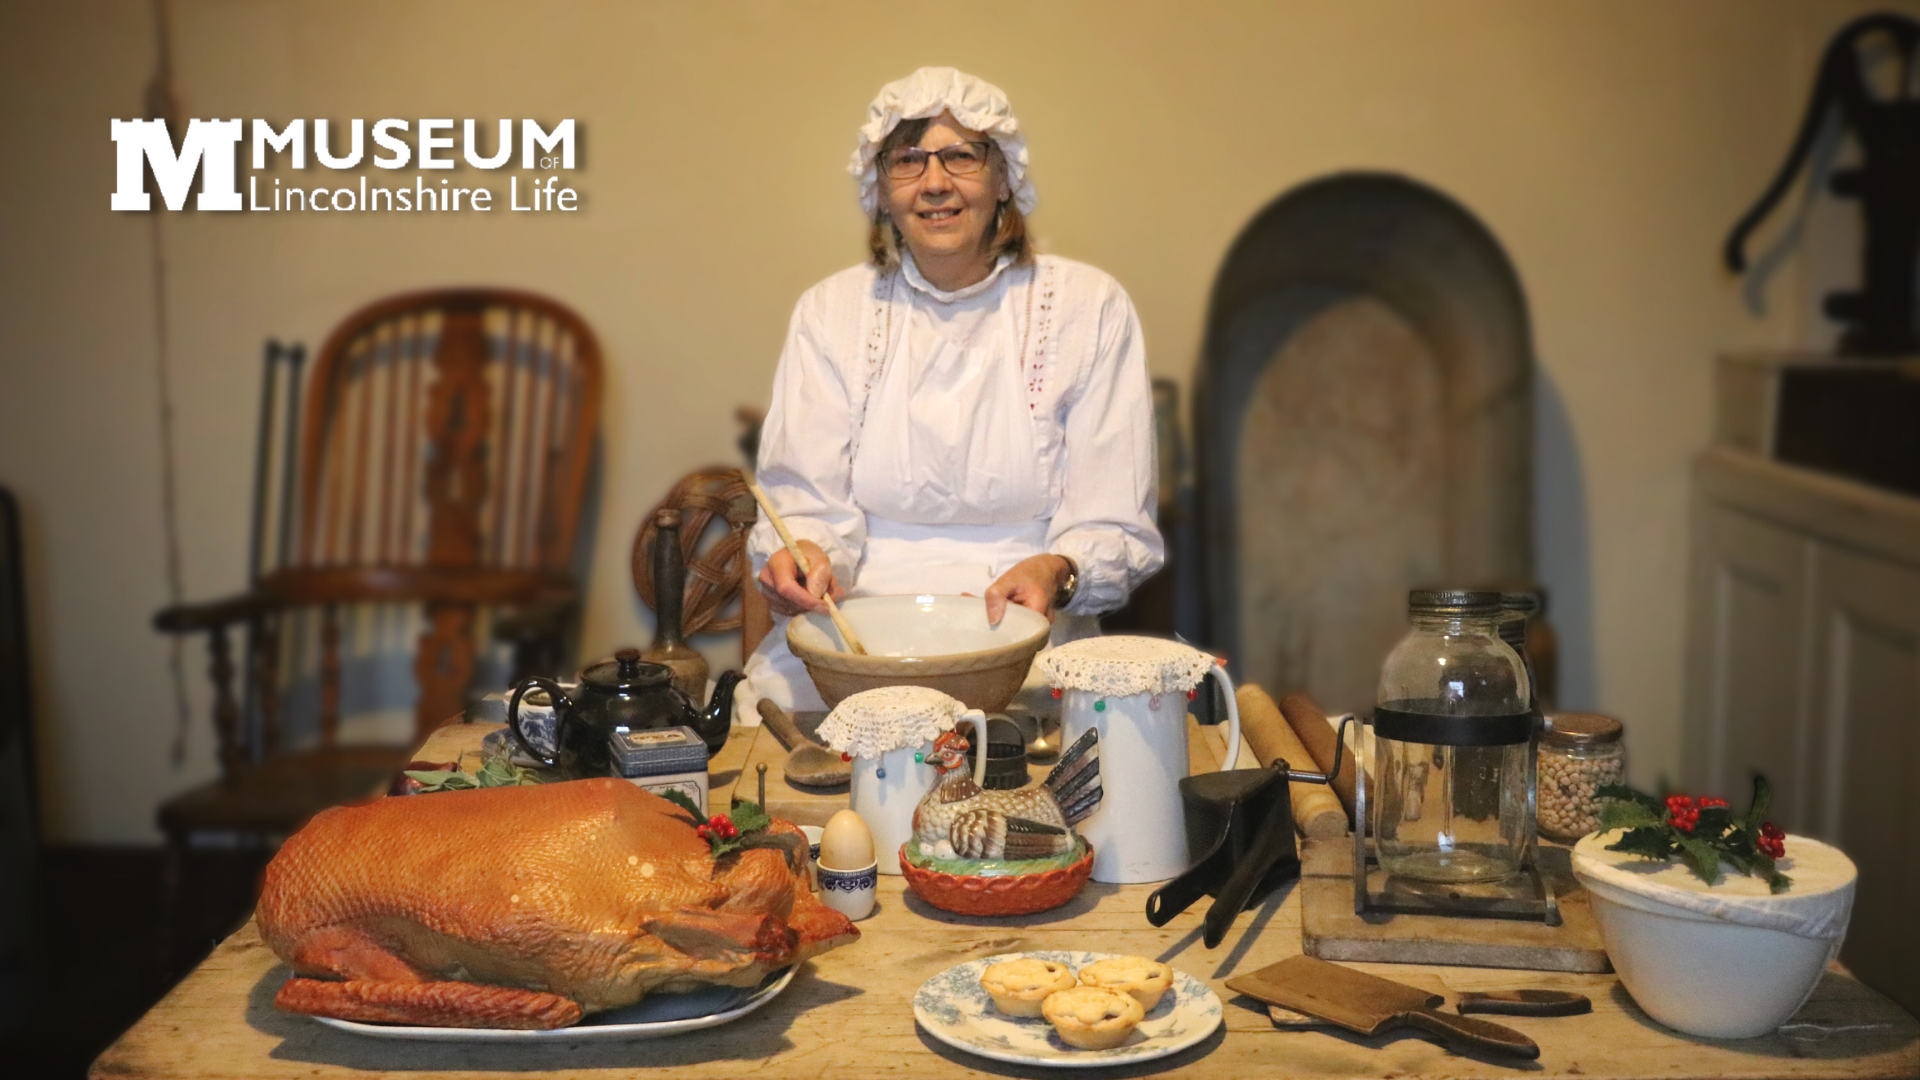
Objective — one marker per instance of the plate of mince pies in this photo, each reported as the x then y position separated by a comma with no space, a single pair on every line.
1067,1008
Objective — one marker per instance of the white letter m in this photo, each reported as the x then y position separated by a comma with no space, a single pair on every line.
210,147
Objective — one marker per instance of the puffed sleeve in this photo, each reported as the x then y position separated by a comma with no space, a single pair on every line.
1105,522
806,463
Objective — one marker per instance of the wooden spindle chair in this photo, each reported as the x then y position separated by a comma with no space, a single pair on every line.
442,458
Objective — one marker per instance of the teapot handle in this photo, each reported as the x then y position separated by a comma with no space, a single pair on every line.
562,708
1232,759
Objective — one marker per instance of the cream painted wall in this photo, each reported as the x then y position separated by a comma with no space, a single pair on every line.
1608,145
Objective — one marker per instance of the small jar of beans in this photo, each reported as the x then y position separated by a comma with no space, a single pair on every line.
1579,754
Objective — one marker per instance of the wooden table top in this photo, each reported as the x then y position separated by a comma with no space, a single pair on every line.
848,1013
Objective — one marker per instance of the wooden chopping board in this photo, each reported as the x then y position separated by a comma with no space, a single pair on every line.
1330,930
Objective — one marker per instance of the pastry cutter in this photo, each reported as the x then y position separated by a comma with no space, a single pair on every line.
1367,1004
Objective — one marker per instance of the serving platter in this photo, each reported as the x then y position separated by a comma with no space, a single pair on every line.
953,1008
657,1015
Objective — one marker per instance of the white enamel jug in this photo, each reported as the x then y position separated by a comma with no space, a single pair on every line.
884,792
1133,691
889,733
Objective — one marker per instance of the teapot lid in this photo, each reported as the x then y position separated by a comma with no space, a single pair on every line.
626,671
1126,664
872,722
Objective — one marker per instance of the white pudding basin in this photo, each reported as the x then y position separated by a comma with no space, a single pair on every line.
1731,961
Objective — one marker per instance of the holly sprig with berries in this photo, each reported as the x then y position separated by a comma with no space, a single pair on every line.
1702,832
745,826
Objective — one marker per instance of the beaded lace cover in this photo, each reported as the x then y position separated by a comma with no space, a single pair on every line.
872,722
1121,665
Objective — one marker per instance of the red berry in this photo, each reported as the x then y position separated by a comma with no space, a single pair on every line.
1712,801
1679,802
703,832
1056,691
1771,831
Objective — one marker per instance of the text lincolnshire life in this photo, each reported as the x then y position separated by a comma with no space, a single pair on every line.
211,149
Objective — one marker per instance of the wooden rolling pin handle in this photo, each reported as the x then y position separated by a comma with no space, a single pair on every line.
1312,729
1316,812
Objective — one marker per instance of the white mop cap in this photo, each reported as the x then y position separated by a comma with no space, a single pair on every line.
928,92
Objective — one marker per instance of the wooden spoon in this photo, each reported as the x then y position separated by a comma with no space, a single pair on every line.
800,562
808,763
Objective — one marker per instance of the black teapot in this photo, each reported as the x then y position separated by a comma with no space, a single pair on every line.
622,694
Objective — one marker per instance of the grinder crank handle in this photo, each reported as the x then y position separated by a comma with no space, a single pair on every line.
1273,841
1474,1033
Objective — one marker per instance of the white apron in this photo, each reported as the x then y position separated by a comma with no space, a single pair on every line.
953,420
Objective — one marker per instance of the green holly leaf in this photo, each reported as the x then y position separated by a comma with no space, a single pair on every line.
1702,858
1628,795
1776,881
748,816
1762,795
685,802
1651,843
431,780
1627,814
498,770
1714,821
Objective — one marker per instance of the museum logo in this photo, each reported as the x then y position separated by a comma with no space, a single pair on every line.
212,148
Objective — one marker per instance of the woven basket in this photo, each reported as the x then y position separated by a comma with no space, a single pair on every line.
1007,894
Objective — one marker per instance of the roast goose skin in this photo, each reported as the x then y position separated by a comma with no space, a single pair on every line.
527,907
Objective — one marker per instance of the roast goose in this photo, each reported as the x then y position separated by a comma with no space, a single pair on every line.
528,907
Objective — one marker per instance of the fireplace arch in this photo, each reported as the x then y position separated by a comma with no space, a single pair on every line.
1363,425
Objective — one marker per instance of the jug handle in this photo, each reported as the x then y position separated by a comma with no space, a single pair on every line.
562,709
1233,717
978,719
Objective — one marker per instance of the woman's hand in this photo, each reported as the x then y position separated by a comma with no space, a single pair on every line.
1032,583
786,594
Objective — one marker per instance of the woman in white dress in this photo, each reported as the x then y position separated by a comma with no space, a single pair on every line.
956,415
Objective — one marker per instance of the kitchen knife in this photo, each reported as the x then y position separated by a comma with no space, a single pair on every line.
1368,1004
1525,1002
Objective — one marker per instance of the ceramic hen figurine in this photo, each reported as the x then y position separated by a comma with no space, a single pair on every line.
959,818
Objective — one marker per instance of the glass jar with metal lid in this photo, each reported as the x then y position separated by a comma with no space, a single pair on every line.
1452,748
1515,609
1579,754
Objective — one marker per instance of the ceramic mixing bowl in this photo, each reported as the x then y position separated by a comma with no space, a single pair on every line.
942,642
1729,961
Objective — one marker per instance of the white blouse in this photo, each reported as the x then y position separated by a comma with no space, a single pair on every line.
896,417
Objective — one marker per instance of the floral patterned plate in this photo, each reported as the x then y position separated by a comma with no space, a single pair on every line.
953,1008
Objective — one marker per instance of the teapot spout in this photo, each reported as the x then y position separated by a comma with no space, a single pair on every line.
717,721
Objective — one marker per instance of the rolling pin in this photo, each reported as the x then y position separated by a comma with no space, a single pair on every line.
1310,724
1316,812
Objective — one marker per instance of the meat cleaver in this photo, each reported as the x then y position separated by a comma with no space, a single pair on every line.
1368,1004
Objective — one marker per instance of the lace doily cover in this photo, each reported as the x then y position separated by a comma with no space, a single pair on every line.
872,722
1121,665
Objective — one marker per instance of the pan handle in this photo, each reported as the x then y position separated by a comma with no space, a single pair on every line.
1475,1033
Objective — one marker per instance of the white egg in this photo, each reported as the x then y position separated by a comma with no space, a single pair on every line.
847,843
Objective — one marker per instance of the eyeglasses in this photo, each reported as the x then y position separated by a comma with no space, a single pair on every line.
960,159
